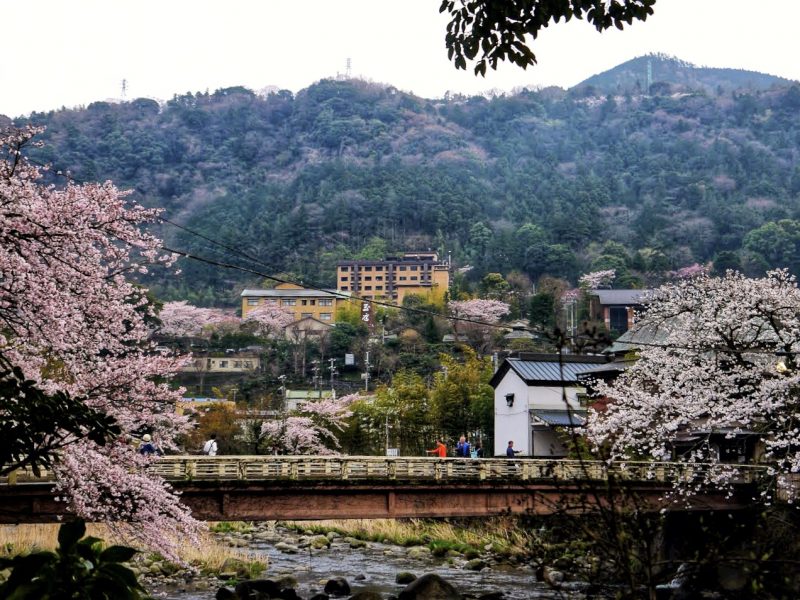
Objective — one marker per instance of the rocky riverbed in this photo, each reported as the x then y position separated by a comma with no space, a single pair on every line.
306,562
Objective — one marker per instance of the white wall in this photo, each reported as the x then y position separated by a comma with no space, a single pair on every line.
511,423
515,422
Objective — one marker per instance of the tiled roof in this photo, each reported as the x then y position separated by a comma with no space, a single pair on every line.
547,369
621,297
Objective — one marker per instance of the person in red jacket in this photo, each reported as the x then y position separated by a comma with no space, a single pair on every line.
440,450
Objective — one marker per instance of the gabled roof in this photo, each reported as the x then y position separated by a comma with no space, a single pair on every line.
546,369
620,297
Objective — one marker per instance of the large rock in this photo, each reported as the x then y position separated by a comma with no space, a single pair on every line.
286,548
318,542
264,586
419,552
404,577
234,565
337,586
366,595
476,564
224,593
429,587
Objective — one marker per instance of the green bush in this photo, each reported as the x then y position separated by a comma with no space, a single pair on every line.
79,568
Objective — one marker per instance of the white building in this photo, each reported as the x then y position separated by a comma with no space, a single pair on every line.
535,399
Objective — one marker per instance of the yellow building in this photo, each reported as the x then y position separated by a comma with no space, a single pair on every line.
304,303
394,277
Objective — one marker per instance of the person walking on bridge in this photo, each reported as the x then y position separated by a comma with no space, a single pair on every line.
440,450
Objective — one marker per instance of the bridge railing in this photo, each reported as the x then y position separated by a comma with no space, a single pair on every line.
419,469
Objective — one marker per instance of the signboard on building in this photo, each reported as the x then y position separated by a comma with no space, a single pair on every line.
366,313
349,360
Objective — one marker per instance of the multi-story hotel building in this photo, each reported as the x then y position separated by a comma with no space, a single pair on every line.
394,277
319,304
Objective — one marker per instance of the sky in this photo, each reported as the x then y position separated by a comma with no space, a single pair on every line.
73,52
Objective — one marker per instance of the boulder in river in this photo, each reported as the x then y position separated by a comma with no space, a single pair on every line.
337,586
429,587
263,586
224,593
476,564
404,577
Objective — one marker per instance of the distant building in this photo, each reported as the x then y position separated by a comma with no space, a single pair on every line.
616,308
309,327
304,303
230,363
296,398
199,404
537,399
395,277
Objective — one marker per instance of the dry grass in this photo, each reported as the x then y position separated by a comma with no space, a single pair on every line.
503,534
209,555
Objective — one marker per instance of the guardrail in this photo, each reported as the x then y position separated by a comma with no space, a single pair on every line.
417,469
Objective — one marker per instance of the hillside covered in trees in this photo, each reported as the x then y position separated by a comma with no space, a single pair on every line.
540,182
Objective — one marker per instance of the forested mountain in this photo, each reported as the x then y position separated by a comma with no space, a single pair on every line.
541,182
670,73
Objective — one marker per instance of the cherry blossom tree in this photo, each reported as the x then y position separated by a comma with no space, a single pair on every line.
725,364
597,279
312,428
74,323
270,320
486,311
181,319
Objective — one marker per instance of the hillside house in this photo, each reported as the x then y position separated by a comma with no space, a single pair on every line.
616,308
536,402
302,302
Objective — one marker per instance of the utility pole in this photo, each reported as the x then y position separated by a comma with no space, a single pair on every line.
366,372
282,379
315,371
333,370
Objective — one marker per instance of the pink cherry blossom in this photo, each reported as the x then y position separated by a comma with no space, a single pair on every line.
311,429
597,279
724,360
486,311
73,320
270,320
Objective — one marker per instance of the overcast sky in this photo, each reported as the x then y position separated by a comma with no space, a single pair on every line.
72,52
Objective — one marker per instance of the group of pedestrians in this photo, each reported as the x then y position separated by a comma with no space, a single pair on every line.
463,449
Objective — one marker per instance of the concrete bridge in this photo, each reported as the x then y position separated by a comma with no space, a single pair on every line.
255,488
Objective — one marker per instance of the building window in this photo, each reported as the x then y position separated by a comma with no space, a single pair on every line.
345,279
379,278
324,316
414,268
368,268
379,268
272,302
289,302
252,302
305,315
367,278
304,302
248,364
326,302
402,268
343,288
312,302
413,278
237,364
344,269
402,279
379,288
367,287
223,364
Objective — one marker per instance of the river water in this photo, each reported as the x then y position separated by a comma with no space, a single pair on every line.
376,567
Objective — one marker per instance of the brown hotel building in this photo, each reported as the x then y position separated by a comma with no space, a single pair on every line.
394,277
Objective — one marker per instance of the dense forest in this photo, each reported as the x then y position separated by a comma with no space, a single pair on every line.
549,181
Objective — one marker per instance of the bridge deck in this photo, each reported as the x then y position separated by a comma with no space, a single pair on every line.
317,487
